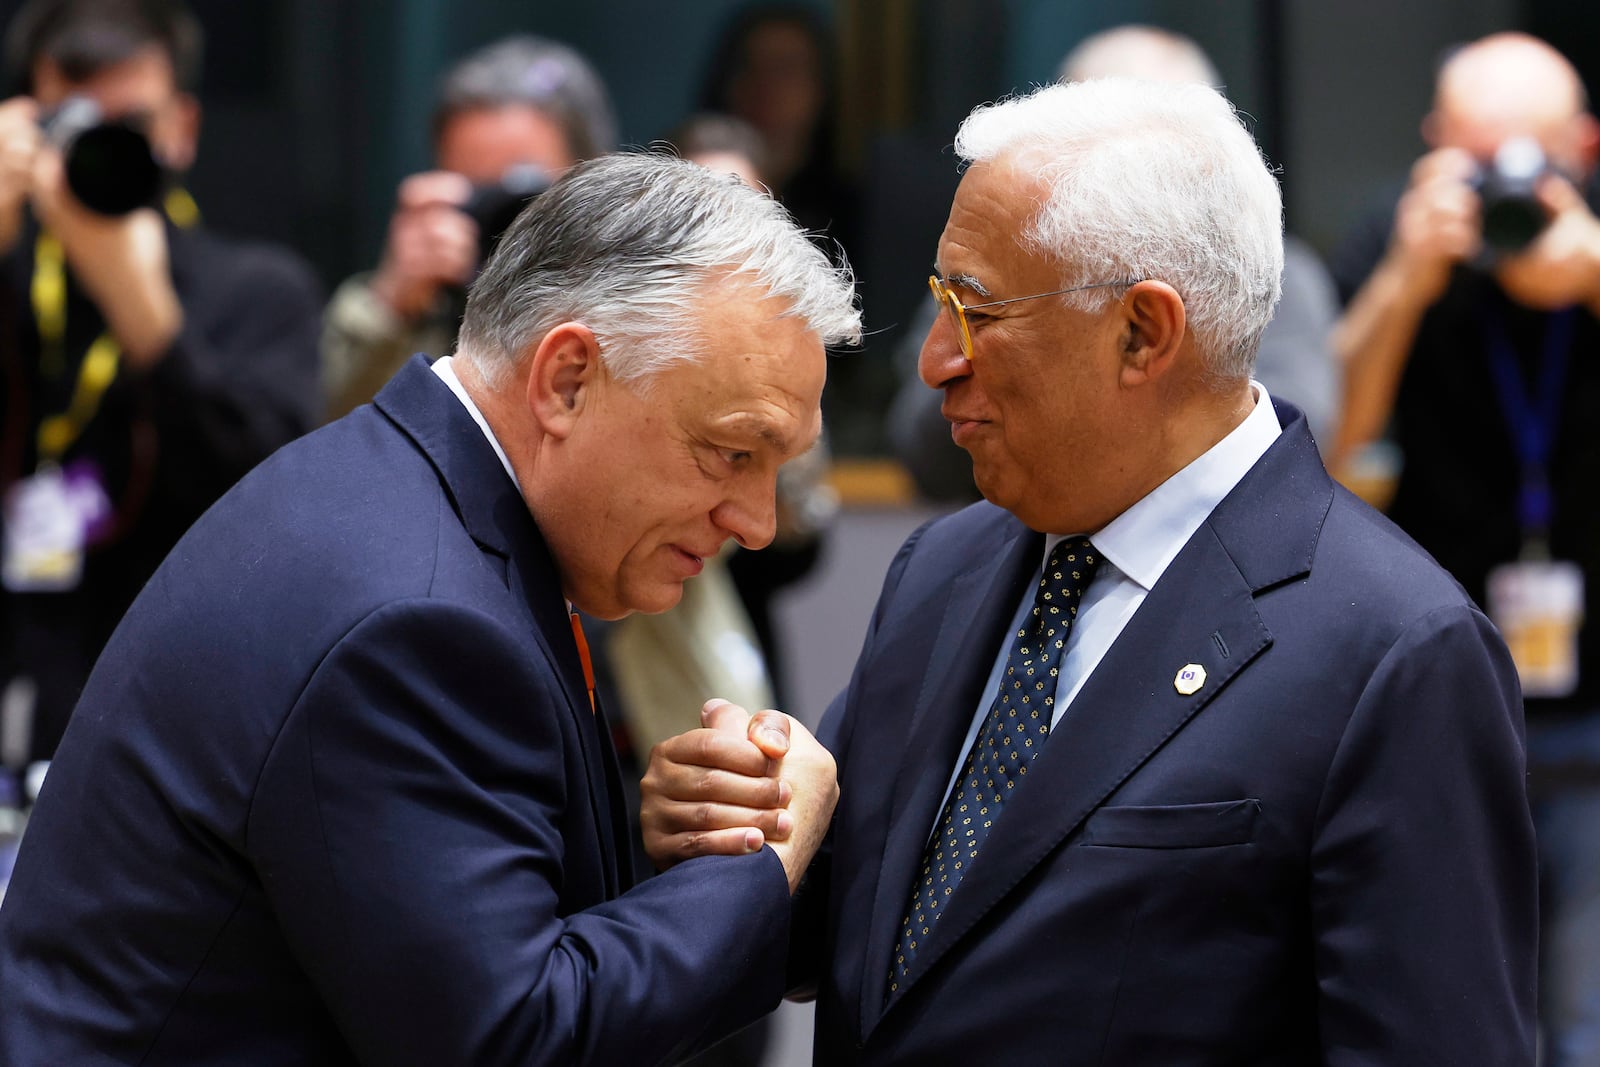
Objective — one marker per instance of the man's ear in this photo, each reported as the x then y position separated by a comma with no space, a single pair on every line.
563,372
1153,324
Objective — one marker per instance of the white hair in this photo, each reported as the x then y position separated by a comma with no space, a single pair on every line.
630,245
1144,180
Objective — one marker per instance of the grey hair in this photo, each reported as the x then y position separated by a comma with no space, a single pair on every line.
541,74
627,245
1148,180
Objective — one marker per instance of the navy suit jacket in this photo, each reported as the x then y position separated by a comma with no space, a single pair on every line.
335,794
1323,856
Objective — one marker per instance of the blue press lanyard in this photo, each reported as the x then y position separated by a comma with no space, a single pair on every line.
1532,425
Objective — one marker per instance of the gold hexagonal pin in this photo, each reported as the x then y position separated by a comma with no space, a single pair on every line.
1190,678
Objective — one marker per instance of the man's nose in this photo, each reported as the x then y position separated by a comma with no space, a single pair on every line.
941,360
750,515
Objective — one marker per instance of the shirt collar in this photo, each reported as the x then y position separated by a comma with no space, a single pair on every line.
447,374
1143,540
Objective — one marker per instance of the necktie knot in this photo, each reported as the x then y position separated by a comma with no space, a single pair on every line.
1067,573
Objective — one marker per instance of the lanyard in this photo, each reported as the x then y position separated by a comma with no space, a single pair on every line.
1531,421
96,372
48,293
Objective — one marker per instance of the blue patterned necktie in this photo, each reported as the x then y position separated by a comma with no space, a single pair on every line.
1010,739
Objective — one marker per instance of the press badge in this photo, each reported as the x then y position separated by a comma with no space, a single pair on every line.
1538,607
50,518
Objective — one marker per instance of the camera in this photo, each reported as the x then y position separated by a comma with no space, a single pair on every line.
1512,214
110,167
495,207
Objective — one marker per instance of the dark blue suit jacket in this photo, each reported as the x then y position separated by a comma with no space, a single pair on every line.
1324,856
335,794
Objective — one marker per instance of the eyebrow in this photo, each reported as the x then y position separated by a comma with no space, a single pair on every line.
966,281
759,427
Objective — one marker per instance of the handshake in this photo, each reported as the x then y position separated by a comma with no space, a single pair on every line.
735,784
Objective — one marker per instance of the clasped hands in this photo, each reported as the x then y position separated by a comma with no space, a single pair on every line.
739,782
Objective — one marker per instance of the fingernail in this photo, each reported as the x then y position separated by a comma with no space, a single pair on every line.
775,737
785,793
754,840
785,824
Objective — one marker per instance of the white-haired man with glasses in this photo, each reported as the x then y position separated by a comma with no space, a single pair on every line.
1171,752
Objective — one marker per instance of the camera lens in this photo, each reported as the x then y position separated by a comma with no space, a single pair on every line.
110,168
1512,214
1511,224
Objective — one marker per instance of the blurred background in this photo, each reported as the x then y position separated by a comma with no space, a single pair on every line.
316,110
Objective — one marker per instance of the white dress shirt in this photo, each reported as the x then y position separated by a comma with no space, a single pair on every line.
447,374
1135,549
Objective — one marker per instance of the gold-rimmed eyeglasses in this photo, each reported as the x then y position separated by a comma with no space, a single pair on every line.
958,311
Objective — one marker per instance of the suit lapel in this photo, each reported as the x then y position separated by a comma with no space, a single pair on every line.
532,574
981,602
496,517
1126,711
1202,611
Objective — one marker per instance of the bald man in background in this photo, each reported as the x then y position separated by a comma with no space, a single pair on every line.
1473,324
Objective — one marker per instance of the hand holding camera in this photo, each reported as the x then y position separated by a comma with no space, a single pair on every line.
1437,223
119,259
1560,267
1514,215
442,228
121,262
432,243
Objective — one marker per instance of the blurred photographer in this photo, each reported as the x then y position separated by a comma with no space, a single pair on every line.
511,117
147,364
1473,322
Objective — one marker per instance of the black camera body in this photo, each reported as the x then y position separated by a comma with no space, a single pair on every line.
1508,189
495,207
110,167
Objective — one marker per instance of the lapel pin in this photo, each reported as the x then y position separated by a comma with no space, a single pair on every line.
1190,678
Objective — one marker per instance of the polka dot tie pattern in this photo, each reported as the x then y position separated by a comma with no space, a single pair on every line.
1010,739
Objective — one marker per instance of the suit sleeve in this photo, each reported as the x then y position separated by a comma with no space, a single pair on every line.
1423,874
409,833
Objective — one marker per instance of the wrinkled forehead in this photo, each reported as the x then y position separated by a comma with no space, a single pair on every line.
752,352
